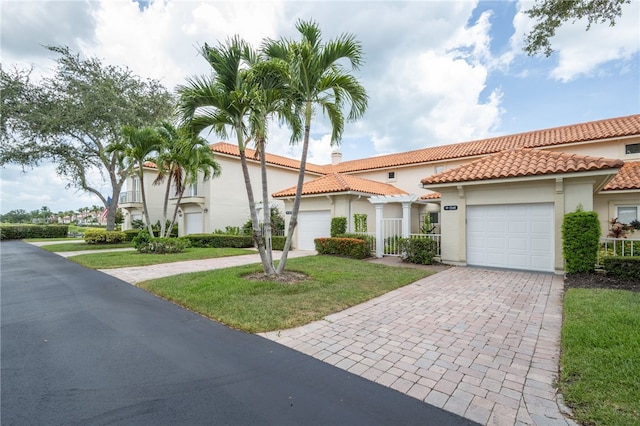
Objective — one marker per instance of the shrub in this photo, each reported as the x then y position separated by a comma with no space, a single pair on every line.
277,243
338,226
371,240
18,232
580,240
220,240
164,245
349,247
360,222
130,234
418,250
626,267
100,236
141,240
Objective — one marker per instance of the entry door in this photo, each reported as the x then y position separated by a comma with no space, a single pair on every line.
514,236
193,223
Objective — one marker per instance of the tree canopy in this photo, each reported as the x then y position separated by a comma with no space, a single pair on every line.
284,79
71,117
551,14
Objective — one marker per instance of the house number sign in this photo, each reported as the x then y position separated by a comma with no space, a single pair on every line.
451,207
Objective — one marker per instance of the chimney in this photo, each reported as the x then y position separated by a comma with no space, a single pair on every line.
336,157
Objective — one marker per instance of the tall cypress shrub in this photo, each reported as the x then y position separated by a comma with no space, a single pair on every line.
338,226
580,240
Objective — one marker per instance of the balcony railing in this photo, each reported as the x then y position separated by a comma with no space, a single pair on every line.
130,197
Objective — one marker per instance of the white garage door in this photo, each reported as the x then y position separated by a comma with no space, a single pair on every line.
193,223
312,225
516,236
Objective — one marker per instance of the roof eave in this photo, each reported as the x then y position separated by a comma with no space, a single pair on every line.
518,179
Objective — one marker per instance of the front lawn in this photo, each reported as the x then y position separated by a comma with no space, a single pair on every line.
80,246
333,284
600,362
121,259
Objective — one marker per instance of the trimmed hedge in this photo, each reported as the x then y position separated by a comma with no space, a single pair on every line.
364,237
338,226
164,245
580,241
277,242
220,240
349,247
19,232
130,234
100,236
418,250
627,267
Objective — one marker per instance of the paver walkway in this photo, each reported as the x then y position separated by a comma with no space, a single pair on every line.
483,344
136,274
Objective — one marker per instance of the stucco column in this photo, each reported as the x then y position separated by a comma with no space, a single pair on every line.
379,230
406,219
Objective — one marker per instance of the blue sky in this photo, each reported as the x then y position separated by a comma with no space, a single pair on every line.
437,72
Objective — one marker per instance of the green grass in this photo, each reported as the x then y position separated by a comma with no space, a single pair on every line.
333,284
121,259
43,240
600,362
79,246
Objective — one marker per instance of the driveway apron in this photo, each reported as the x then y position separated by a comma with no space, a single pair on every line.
80,347
480,343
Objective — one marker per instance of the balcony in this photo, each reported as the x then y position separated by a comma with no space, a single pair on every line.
130,199
192,195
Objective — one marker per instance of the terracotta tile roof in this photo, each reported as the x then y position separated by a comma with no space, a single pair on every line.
594,130
521,162
336,182
627,178
150,164
431,196
230,149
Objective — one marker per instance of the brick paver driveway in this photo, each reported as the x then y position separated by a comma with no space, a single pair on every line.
480,343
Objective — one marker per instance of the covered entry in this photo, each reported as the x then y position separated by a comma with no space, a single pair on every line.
514,236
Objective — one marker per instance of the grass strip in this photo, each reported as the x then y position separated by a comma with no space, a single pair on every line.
332,285
600,362
122,259
79,246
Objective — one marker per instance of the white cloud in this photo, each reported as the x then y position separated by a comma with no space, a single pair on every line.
41,186
584,53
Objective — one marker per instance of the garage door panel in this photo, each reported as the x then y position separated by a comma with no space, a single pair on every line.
511,236
312,225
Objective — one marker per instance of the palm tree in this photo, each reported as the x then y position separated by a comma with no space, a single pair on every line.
317,78
225,100
183,158
136,147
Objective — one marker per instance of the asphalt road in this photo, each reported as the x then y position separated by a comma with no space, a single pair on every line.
80,347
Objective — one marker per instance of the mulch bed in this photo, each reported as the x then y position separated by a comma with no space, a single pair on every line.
599,280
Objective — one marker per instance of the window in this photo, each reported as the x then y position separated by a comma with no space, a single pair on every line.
391,175
633,148
434,217
627,214
438,169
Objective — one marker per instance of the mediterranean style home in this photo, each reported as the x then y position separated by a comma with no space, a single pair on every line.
496,202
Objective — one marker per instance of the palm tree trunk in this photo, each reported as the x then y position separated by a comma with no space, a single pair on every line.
165,208
293,222
144,200
257,232
265,204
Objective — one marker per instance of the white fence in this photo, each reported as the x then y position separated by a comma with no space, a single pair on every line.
436,237
391,235
618,247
